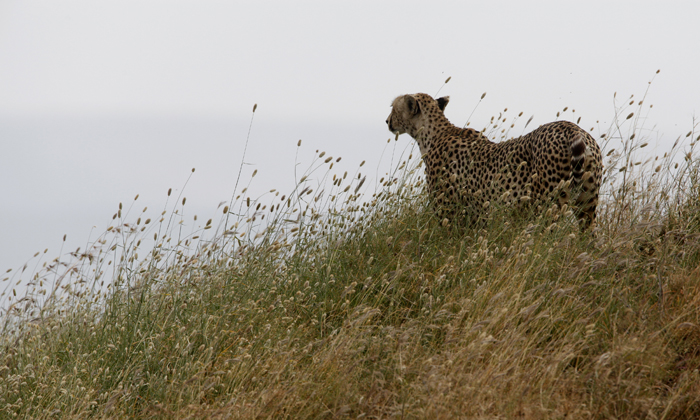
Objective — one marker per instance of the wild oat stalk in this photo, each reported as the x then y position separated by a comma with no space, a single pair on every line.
331,302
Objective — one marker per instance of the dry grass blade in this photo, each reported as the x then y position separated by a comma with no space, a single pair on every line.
327,302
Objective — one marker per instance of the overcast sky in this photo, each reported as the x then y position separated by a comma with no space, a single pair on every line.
103,100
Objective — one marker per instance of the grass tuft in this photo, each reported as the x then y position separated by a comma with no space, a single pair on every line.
330,302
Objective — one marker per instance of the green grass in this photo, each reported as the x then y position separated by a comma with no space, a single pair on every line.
338,304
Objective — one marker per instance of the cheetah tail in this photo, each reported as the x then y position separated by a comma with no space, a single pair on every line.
578,155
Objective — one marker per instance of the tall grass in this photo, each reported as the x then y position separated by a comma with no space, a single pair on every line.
330,302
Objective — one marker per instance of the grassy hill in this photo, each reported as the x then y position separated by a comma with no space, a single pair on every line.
335,304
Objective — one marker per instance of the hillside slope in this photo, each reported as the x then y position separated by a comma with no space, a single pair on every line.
333,304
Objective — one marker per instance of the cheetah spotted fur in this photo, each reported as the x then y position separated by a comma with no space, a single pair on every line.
464,170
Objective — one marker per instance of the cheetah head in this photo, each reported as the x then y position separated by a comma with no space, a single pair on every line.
411,113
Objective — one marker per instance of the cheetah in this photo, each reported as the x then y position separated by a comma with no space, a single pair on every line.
466,171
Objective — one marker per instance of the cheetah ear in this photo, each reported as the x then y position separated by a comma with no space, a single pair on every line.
442,102
412,105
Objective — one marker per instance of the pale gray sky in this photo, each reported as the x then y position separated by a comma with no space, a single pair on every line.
102,100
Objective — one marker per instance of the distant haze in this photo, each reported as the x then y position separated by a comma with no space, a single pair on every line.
100,101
